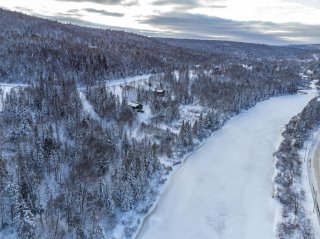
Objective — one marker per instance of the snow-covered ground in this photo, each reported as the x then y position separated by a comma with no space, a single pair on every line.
189,113
117,86
88,108
224,189
128,80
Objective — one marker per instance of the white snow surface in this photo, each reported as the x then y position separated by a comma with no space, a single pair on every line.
88,108
187,113
128,80
116,86
224,189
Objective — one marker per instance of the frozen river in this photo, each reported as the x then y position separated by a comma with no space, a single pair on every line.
224,190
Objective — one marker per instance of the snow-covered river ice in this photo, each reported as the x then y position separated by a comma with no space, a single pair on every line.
224,189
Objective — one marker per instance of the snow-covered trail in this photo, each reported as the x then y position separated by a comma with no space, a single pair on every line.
224,189
129,80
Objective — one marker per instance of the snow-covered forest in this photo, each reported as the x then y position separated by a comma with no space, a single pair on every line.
289,188
84,157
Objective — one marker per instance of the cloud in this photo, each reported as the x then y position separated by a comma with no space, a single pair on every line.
189,4
81,22
206,27
24,9
196,26
176,2
73,11
103,12
73,20
106,2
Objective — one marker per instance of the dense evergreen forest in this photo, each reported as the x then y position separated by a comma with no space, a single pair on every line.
77,159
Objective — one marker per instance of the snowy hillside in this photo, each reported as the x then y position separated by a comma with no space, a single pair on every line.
93,122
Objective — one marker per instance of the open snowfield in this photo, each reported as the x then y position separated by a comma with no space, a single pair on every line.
224,189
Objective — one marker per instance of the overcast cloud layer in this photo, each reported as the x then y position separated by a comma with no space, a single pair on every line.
205,27
106,2
262,21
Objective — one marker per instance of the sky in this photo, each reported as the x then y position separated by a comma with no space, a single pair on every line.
275,22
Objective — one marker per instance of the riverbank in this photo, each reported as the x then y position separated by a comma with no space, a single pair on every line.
227,194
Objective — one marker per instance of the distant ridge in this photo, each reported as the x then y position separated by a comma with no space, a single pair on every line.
306,47
32,47
238,49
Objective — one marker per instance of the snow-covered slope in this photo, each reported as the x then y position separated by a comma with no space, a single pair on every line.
88,108
224,190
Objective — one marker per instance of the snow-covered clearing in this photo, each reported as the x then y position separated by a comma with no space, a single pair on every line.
88,108
176,75
117,86
224,189
6,87
128,80
189,113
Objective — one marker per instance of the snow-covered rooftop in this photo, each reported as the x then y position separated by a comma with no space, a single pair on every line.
132,104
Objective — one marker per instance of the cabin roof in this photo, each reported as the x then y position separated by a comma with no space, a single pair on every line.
133,104
158,91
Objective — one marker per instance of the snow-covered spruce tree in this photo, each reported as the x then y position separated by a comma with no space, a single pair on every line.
25,222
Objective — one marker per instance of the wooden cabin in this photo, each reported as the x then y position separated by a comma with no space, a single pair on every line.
136,106
160,93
